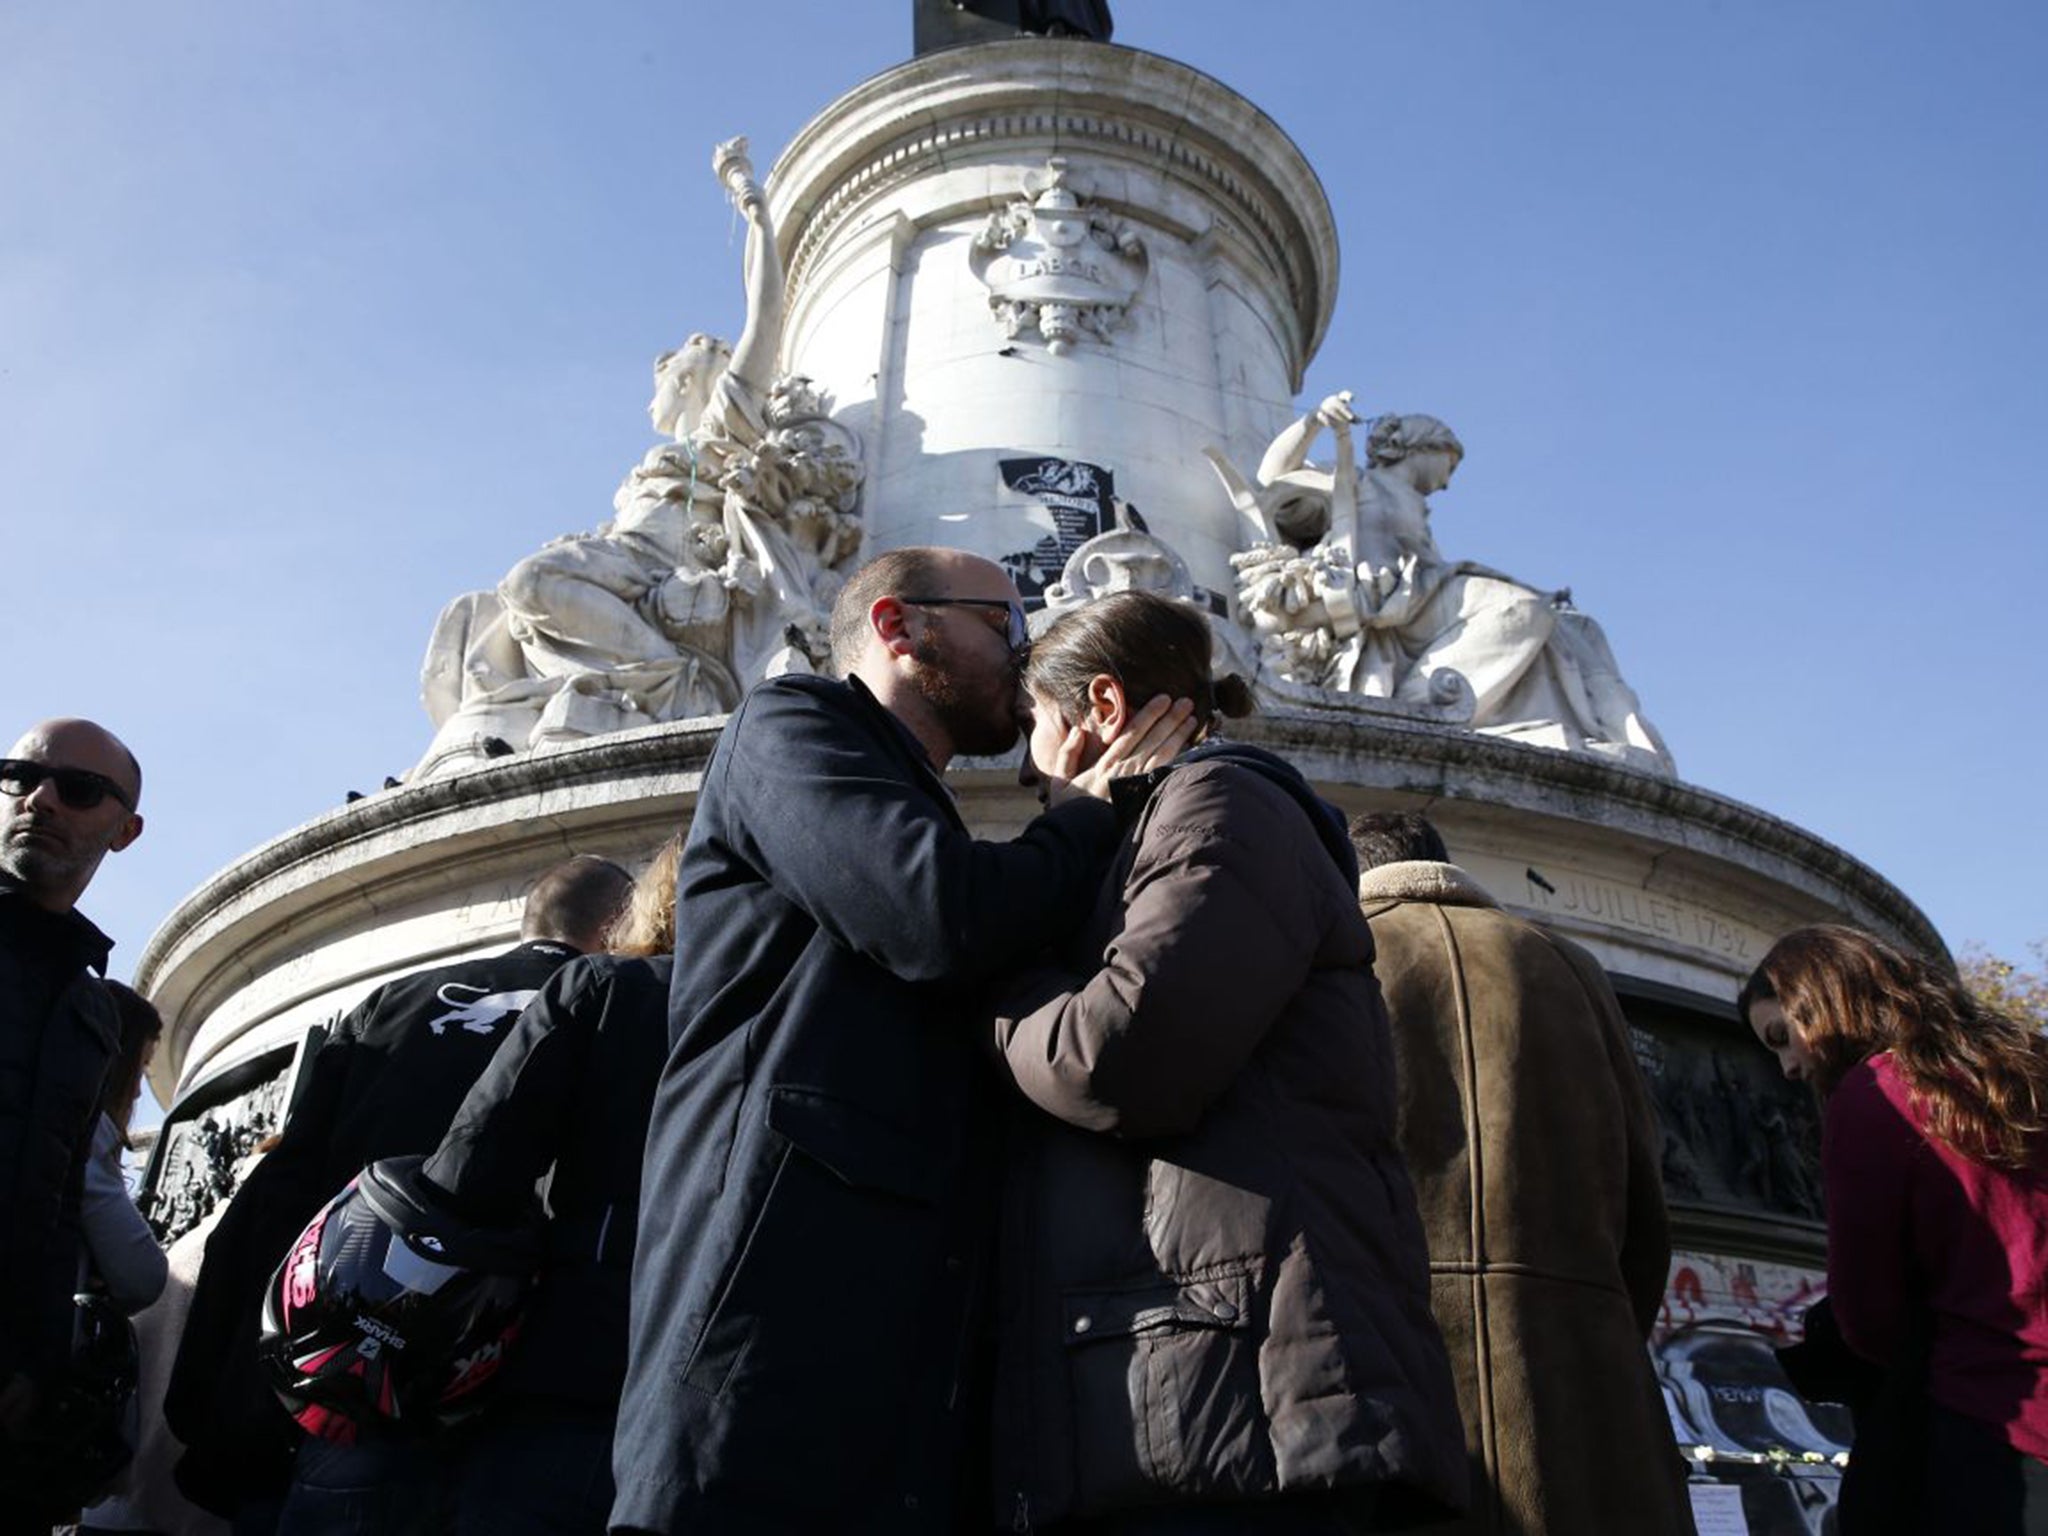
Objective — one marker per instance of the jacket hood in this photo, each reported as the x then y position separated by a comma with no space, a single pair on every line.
1130,794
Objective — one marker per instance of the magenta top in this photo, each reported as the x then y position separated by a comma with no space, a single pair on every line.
1910,1217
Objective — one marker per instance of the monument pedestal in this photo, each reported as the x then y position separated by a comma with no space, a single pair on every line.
1052,250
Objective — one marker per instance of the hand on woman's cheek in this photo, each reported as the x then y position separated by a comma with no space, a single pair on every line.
1068,759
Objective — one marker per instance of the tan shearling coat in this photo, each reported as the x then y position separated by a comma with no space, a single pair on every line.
1534,1152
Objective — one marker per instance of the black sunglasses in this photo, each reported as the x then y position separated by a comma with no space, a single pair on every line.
79,788
1018,632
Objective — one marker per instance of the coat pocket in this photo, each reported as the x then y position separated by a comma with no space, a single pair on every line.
835,1254
1165,1384
855,1147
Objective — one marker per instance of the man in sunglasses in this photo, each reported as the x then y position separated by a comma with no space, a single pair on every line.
68,796
809,1287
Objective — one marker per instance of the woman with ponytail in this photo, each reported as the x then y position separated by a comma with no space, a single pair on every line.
1213,1290
1933,1111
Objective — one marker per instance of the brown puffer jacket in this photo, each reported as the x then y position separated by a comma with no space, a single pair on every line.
1213,1284
1535,1154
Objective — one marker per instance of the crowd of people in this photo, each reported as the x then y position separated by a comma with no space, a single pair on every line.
1191,1162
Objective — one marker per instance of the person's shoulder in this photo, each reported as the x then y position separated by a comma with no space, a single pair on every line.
525,965
1255,812
1871,1095
1238,778
806,722
631,982
797,689
794,701
1580,960
1874,1077
605,972
1211,801
528,957
583,973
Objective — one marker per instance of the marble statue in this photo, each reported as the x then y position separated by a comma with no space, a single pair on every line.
1057,265
718,566
1346,591
1125,558
1130,557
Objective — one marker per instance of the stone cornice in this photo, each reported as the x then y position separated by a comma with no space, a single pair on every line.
407,844
521,802
1446,762
961,106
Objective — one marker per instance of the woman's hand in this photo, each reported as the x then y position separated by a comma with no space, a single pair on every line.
1151,738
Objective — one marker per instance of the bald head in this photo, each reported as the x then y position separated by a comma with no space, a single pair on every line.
84,744
69,802
576,902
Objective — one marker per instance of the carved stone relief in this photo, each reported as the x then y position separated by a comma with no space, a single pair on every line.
1057,267
1126,558
196,1170
719,565
1735,1133
1129,557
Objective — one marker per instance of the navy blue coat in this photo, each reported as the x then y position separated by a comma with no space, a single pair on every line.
807,1296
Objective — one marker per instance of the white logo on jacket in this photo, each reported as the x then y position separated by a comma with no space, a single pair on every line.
480,1013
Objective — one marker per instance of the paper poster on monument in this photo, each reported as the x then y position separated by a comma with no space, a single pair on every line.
1071,502
1717,1509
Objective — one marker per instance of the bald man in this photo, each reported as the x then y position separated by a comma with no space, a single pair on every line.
68,797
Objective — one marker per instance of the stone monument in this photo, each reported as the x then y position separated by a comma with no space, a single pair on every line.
1051,300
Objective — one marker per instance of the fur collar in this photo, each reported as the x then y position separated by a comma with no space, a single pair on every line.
1422,880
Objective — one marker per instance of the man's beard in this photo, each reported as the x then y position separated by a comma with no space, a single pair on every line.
976,703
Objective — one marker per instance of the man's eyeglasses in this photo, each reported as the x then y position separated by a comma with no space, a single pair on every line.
79,788
1018,632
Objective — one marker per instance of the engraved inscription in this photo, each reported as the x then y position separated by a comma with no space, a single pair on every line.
1606,901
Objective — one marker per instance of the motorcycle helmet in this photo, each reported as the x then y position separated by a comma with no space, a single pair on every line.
391,1310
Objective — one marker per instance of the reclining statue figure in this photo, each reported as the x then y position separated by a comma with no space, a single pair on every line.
717,567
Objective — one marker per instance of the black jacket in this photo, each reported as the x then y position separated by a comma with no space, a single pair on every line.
386,1083
57,1034
813,1212
570,1089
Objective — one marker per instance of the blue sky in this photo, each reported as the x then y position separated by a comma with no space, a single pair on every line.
312,317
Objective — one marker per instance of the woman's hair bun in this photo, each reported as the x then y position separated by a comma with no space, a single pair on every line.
1234,698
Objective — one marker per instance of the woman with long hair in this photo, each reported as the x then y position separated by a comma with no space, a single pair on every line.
121,1252
121,1257
1932,1152
568,1096
1213,1289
